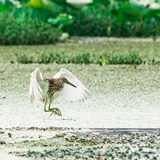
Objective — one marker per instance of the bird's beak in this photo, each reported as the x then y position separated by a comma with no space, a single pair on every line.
71,84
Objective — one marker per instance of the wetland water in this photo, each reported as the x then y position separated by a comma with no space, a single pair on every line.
121,97
121,119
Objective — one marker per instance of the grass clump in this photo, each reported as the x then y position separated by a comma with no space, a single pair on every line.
53,57
23,58
131,58
59,58
81,58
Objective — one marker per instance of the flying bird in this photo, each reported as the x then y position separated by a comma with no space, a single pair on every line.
64,84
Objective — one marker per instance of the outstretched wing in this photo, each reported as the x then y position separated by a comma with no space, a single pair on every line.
70,93
35,91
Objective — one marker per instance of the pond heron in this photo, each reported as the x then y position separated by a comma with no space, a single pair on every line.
64,84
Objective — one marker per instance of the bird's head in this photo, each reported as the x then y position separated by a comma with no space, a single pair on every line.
67,82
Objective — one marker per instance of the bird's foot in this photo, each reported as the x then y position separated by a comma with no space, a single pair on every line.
54,111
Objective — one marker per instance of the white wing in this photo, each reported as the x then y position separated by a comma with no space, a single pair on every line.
35,91
71,93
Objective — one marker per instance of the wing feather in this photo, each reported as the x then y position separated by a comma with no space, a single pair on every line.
35,91
71,93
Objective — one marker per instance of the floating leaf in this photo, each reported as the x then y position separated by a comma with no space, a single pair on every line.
37,3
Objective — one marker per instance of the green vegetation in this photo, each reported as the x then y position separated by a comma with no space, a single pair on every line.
107,21
42,22
104,53
17,28
81,58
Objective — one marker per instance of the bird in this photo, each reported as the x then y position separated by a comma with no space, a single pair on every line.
63,83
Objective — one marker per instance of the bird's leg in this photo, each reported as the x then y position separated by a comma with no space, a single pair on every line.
45,103
56,111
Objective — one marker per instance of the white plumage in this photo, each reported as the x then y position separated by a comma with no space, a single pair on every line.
39,87
70,93
35,91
